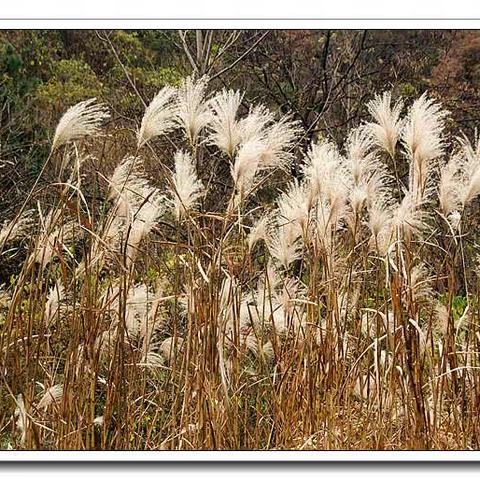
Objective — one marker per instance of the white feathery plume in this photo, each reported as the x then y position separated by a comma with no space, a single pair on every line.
252,126
423,130
54,299
98,421
272,281
138,322
454,219
330,182
421,284
267,150
245,168
129,190
45,250
292,218
423,140
361,158
137,208
144,219
294,207
325,224
193,113
386,131
441,319
449,185
378,186
228,293
126,171
358,198
268,352
113,230
259,231
83,119
408,217
52,238
170,347
369,178
380,218
252,344
152,359
52,395
470,171
16,230
159,116
283,244
226,130
278,139
187,186
326,173
21,415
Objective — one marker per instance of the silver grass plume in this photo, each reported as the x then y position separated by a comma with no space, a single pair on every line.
387,127
139,322
187,188
193,113
279,139
144,219
137,207
245,168
421,285
17,230
226,130
284,245
126,171
81,120
459,181
380,219
255,123
449,185
23,421
294,207
369,177
424,142
159,116
326,221
170,347
52,395
126,185
52,306
469,171
55,236
326,172
292,218
268,149
259,231
361,158
408,217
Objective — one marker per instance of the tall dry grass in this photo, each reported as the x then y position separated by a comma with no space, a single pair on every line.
165,302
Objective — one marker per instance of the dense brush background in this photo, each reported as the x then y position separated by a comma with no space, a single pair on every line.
176,274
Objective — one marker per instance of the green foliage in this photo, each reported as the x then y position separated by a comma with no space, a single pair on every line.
42,73
406,90
72,81
459,304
